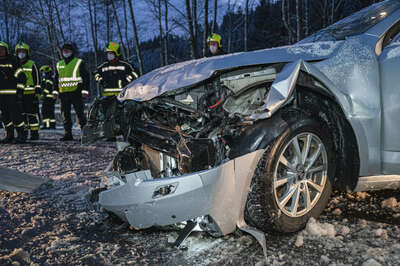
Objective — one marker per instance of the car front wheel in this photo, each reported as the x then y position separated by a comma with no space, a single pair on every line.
292,180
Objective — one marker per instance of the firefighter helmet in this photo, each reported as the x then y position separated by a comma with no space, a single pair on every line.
24,46
45,68
214,38
113,47
3,44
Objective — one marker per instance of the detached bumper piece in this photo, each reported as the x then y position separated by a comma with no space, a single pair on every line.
215,198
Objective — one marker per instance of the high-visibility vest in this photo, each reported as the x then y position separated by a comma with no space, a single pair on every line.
29,85
68,75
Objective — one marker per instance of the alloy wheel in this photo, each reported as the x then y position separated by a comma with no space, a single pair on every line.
300,174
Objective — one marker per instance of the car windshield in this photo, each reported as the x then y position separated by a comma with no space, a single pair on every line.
355,24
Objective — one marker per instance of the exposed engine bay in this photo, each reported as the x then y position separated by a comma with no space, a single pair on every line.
184,130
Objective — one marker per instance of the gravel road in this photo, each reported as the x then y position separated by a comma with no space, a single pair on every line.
56,225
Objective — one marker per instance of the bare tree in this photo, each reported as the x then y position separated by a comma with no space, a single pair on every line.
306,18
159,17
118,28
107,21
49,34
193,42
92,29
205,35
285,19
246,22
214,25
234,22
135,35
51,20
166,32
126,30
69,19
5,10
299,20
323,12
335,5
156,9
59,21
195,24
95,23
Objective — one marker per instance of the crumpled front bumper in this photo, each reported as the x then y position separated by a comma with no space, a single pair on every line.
220,192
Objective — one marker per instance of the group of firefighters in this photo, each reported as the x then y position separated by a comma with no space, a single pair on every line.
21,87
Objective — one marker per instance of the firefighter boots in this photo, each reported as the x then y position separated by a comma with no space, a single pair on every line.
21,135
67,136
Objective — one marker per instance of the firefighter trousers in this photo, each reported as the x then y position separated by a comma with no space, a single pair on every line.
11,109
48,116
31,111
67,100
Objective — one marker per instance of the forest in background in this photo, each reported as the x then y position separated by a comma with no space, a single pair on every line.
155,33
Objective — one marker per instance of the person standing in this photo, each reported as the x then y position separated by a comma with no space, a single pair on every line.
214,45
12,80
73,83
115,73
30,100
47,85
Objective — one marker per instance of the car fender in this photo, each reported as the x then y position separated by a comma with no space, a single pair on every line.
281,93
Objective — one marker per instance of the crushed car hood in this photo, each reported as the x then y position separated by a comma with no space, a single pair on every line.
189,73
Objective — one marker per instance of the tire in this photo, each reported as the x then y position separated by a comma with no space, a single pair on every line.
271,203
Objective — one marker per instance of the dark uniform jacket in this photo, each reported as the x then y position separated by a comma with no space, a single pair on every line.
47,85
12,77
113,76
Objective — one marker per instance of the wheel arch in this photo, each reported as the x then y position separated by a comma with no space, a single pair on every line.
311,90
312,95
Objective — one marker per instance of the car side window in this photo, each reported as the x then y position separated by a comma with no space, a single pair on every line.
391,35
396,39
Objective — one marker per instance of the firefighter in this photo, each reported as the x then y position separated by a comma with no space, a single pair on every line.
214,44
114,74
12,80
47,85
72,88
30,99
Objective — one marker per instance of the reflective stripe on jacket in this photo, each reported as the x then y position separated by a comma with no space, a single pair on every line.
113,76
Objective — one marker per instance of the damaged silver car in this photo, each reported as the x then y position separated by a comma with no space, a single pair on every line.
258,138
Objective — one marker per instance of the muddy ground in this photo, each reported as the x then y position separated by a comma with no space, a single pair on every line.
55,225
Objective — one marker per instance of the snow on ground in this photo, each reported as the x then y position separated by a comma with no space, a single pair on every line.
56,225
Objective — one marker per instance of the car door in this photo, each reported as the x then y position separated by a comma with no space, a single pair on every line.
390,94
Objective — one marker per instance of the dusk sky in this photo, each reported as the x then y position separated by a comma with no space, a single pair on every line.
147,24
